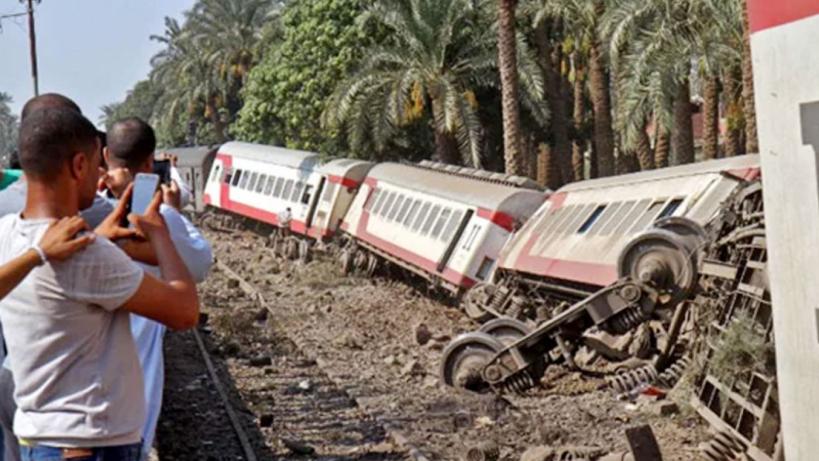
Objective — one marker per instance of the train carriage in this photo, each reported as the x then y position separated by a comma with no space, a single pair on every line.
194,164
444,223
260,182
570,248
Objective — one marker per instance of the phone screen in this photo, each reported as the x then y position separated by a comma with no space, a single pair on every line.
144,189
162,168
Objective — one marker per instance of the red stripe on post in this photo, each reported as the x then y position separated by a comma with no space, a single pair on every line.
766,14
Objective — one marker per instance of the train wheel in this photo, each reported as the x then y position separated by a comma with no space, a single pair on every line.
474,301
464,359
506,330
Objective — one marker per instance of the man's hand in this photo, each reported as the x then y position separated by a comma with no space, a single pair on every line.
117,180
110,227
171,195
60,240
151,224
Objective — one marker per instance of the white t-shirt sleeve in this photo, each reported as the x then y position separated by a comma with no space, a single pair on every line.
101,275
192,247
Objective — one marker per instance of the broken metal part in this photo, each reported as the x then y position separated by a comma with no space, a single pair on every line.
627,381
464,359
506,330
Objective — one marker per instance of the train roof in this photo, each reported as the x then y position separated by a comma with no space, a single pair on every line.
271,154
514,201
190,156
346,167
738,166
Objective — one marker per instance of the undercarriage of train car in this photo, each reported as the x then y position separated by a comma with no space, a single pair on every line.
690,302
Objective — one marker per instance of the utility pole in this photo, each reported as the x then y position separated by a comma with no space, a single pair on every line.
32,40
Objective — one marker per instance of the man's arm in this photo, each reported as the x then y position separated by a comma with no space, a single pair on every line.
173,300
58,243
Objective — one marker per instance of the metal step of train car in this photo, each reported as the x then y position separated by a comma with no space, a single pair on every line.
444,223
261,182
570,247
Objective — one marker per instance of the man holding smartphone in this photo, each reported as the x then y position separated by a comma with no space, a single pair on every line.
67,324
129,156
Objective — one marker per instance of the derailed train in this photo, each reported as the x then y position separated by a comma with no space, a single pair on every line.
555,271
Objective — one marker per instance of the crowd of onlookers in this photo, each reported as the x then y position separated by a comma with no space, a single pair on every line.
87,289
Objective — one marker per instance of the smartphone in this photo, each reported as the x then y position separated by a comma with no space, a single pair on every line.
145,186
162,168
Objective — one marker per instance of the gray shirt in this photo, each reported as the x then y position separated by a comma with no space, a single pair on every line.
77,375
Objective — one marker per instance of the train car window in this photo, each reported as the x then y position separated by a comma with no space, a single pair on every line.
605,218
670,208
228,175
245,179
404,210
439,225
288,189
588,223
277,189
297,191
236,178
416,205
471,239
382,198
485,269
421,217
217,173
268,188
572,219
252,183
648,217
307,194
562,219
452,225
617,218
387,204
433,215
635,212
260,185
396,207
370,200
330,190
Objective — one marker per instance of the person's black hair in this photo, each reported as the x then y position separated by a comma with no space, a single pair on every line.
48,101
51,137
131,142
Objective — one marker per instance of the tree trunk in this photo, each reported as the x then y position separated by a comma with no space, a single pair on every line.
682,134
579,114
552,58
733,115
645,155
627,162
219,127
710,118
662,148
601,105
548,173
446,148
507,58
751,140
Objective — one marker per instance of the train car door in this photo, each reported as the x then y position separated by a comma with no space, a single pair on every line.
315,202
450,249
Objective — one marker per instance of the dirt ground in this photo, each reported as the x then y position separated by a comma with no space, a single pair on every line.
359,338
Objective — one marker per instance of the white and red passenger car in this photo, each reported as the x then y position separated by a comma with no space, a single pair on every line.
260,182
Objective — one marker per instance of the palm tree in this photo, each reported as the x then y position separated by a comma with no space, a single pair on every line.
438,53
8,128
751,140
507,60
653,46
581,20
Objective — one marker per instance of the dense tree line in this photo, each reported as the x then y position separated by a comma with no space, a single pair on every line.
8,129
560,90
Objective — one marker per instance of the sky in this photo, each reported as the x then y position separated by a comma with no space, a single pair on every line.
93,51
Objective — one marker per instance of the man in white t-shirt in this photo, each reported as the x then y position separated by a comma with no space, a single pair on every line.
130,150
66,325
